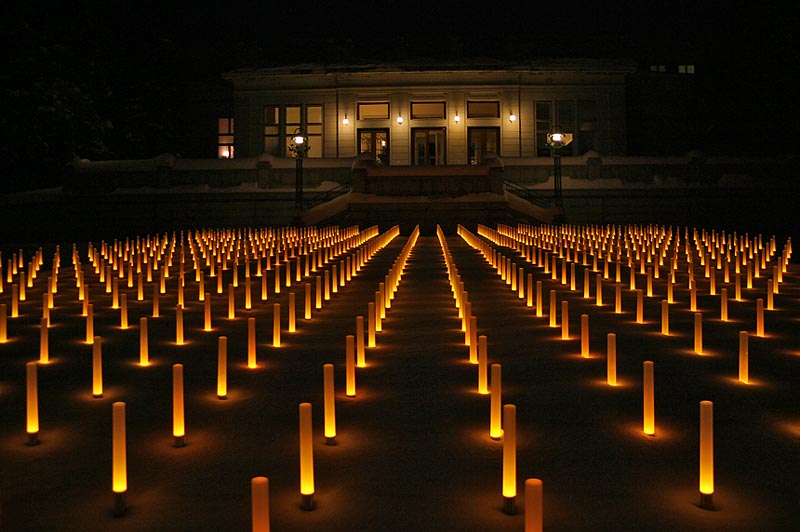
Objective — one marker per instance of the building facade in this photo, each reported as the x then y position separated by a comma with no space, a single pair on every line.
428,114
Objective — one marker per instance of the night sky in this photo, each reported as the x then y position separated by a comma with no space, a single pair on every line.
131,65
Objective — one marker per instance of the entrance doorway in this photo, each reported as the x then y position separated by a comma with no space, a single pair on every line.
481,140
376,142
429,146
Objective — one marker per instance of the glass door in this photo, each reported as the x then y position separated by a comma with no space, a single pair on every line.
429,146
482,140
376,142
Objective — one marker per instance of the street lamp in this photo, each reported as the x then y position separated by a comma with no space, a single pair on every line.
557,140
299,147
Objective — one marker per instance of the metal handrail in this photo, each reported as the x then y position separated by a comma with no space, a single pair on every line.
537,198
326,195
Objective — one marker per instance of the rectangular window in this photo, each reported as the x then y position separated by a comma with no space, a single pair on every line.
373,111
225,138
281,123
483,109
427,110
544,125
272,121
686,69
586,126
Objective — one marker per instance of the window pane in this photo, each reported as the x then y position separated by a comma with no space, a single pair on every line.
271,114
226,139
314,114
270,130
371,111
483,109
543,110
223,126
292,114
565,111
314,130
427,110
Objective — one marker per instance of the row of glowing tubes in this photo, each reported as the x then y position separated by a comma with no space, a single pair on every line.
509,238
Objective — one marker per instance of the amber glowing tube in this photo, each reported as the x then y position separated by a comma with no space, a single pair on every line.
307,300
32,403
179,325
276,325
231,302
178,421
759,317
744,371
14,301
585,335
618,298
649,413
664,316
533,505
611,359
119,468
639,306
564,319
45,309
251,343
482,365
3,324
329,404
509,459
707,455
44,349
350,366
473,343
222,368
529,290
277,278
698,333
90,323
723,303
361,361
599,290
553,309
97,368
144,356
371,324
259,502
378,307
495,405
123,311
539,311
306,458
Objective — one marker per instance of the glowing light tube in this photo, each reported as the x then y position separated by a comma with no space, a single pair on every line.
698,333
611,359
564,319
618,298
350,366
3,323
585,335
207,313
119,468
760,317
553,309
123,311
706,455
639,306
371,324
44,349
178,420
664,317
306,458
32,403
533,505
179,325
744,371
482,365
649,417
97,367
473,343
259,500
222,368
495,423
318,293
144,351
251,343
378,307
307,302
539,311
509,458
329,404
361,361
292,312
276,325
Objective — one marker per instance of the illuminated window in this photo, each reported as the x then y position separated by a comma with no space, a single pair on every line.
544,125
586,126
281,122
686,69
427,110
373,111
483,109
225,138
658,68
560,114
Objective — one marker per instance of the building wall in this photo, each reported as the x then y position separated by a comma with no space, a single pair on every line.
516,92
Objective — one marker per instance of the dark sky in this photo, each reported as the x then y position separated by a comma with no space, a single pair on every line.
745,53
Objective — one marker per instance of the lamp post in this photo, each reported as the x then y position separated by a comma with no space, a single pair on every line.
299,148
556,140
